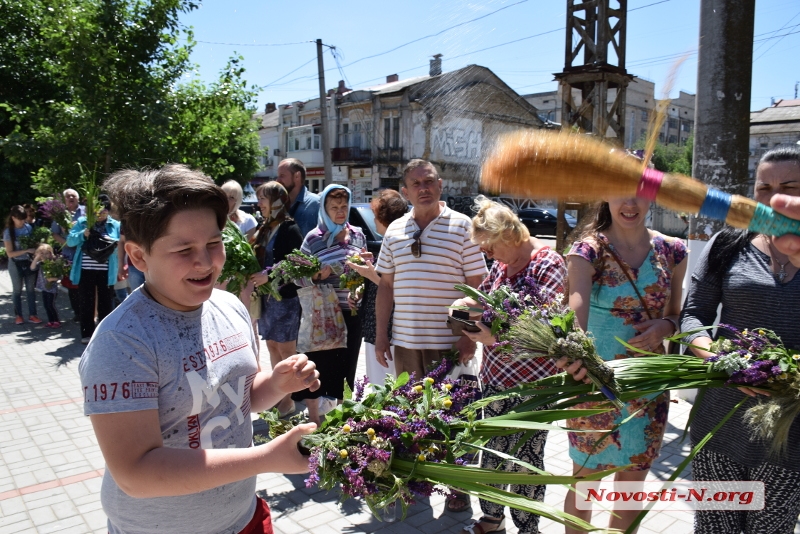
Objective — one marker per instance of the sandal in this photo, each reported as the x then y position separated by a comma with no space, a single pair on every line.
284,413
498,525
458,502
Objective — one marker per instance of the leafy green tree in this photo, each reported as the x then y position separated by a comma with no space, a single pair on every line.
213,128
672,158
106,93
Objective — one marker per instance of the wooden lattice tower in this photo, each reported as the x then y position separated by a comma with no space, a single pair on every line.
594,27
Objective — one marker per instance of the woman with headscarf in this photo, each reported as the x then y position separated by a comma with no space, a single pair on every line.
244,221
333,241
92,276
277,237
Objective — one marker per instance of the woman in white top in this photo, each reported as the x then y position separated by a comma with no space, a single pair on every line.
246,222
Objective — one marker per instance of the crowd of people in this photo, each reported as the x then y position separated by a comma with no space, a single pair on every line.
171,448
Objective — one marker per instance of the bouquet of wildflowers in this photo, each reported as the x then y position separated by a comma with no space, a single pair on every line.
757,358
352,280
240,261
39,235
407,439
529,326
55,210
295,266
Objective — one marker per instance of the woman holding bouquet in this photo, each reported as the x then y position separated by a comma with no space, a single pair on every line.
91,276
333,241
19,268
525,265
624,281
277,237
387,205
758,287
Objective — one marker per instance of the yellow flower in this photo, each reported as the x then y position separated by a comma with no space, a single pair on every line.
343,453
447,403
421,457
427,380
796,357
417,389
448,387
370,432
760,332
346,428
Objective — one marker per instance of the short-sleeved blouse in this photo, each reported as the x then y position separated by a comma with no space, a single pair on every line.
547,272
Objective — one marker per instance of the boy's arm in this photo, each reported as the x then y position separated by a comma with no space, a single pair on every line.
295,373
143,468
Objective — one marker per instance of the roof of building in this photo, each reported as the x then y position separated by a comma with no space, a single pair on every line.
268,120
780,112
782,103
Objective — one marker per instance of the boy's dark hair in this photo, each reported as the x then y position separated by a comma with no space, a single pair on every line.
148,199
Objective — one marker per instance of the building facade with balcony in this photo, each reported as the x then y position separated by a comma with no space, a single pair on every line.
450,119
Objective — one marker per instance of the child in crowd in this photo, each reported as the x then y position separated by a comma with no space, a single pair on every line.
48,286
170,376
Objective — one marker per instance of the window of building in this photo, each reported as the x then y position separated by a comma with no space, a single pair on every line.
672,139
357,135
391,132
643,133
344,135
644,115
304,138
686,126
661,137
673,123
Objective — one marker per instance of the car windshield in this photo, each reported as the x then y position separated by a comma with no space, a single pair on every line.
369,219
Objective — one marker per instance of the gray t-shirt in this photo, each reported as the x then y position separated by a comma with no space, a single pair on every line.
751,298
196,368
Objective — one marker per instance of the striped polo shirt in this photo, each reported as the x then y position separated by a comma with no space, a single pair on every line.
423,287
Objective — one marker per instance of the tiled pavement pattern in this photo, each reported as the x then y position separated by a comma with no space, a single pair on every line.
51,467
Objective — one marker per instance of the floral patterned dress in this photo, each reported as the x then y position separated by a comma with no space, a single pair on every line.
614,309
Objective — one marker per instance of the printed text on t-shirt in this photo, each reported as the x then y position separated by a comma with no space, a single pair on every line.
214,351
123,390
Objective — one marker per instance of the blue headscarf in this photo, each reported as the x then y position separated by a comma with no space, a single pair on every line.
324,221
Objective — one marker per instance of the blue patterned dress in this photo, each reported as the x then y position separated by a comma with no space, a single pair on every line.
613,311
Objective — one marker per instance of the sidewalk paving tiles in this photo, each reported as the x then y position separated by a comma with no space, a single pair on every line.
51,467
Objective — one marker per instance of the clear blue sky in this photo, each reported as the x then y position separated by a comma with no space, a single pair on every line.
659,31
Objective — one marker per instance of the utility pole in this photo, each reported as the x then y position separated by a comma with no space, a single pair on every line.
722,107
323,113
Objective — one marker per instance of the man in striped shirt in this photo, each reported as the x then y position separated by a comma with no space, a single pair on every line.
424,254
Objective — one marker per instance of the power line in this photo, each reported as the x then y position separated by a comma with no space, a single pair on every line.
254,44
437,33
290,72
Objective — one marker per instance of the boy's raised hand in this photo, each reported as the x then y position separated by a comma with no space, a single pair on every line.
285,448
295,373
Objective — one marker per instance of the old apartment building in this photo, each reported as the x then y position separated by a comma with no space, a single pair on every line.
450,119
640,104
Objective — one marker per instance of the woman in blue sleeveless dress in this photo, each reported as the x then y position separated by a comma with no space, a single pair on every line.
624,281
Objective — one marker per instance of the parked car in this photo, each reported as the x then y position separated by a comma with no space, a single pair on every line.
542,221
361,215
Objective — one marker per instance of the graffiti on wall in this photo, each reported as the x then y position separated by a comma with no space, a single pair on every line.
457,141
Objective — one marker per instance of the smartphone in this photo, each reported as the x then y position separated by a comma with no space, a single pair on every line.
459,323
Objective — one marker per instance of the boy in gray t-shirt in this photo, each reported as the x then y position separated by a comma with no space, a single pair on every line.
170,377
